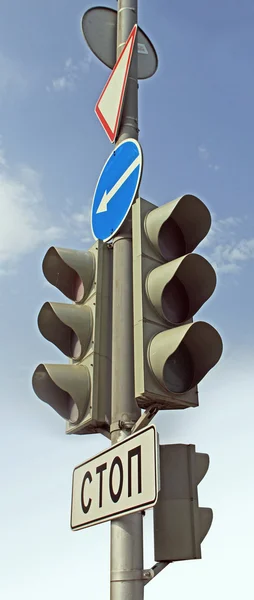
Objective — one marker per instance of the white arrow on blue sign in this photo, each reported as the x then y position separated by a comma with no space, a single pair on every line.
116,189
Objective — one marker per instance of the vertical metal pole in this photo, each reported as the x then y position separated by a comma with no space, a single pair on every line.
126,555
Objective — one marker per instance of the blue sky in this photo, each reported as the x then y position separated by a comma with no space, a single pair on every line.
196,131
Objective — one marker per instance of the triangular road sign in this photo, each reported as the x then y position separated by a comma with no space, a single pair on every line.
109,106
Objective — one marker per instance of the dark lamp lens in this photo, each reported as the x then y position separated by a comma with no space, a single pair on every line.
178,372
175,302
171,240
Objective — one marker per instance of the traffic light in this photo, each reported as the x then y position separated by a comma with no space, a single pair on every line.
79,391
170,284
180,525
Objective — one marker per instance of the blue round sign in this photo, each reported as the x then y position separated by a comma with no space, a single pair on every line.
116,189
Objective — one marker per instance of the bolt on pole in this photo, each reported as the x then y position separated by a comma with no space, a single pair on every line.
126,553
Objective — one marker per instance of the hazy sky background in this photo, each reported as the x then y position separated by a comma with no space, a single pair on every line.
196,130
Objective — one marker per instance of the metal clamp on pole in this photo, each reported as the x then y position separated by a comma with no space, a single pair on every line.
123,425
134,575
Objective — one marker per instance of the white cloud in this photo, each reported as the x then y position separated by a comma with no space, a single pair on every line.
24,223
228,268
82,217
72,73
203,152
62,83
231,221
204,155
230,255
225,248
79,222
214,167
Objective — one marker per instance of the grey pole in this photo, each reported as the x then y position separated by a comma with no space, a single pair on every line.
126,556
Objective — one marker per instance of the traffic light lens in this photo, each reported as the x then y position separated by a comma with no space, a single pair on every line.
73,411
46,387
75,346
175,302
171,240
78,289
71,271
67,326
178,373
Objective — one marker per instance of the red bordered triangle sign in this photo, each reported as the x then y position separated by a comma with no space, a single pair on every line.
109,106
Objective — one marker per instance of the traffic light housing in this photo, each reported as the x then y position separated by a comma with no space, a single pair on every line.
180,525
171,353
79,391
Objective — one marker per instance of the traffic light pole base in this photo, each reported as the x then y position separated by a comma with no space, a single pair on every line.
127,579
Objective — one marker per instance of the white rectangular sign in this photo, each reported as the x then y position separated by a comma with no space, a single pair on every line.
120,480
